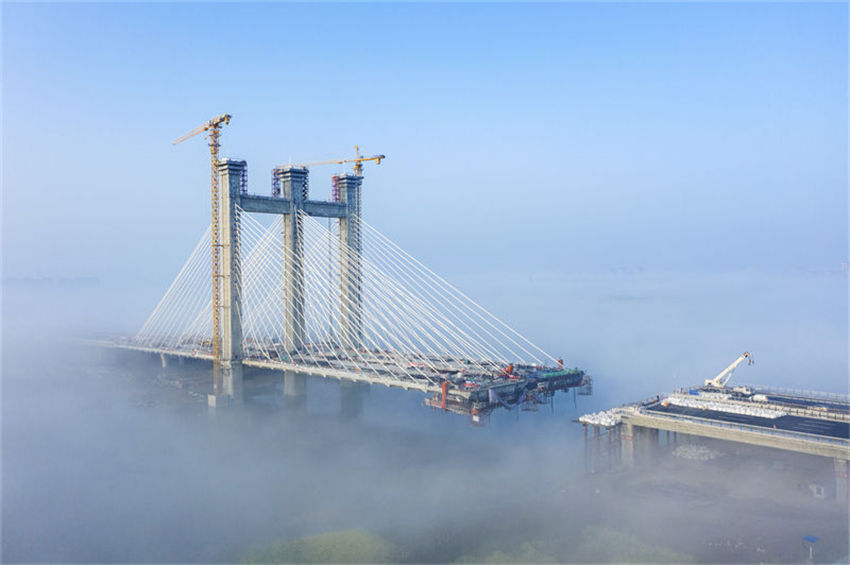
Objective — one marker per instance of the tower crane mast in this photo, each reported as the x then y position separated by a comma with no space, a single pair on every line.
213,129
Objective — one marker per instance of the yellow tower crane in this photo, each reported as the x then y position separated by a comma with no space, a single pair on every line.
213,129
358,161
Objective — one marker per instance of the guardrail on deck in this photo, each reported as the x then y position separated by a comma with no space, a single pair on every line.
813,394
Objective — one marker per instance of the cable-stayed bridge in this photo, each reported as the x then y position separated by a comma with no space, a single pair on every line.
308,287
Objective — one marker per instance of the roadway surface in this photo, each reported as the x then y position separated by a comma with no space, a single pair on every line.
824,428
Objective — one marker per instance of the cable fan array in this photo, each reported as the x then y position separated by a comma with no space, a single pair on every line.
411,325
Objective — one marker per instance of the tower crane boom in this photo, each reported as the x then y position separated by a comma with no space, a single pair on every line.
213,124
723,377
358,161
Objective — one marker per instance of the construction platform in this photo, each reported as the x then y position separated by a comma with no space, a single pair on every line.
527,387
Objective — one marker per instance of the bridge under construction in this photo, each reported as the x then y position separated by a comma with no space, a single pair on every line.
807,422
286,282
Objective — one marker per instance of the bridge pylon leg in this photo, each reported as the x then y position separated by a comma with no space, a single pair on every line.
293,183
230,179
350,270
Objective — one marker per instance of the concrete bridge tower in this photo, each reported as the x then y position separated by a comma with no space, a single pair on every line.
229,391
293,185
292,202
350,272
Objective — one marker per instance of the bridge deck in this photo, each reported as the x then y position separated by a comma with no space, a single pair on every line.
789,440
468,389
279,365
813,424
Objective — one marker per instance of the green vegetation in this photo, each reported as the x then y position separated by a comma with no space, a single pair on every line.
594,544
605,544
348,546
528,553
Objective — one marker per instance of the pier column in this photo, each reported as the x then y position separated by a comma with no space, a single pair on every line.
293,186
230,180
627,444
294,389
639,442
586,451
164,360
597,455
840,480
652,442
350,246
351,399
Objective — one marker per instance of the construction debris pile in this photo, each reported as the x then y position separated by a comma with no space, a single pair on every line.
714,395
704,403
606,418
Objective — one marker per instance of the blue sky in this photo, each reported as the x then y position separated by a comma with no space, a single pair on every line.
553,137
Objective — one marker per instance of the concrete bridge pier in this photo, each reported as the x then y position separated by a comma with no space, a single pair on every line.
627,445
597,455
164,360
294,389
351,399
652,443
638,445
586,451
840,479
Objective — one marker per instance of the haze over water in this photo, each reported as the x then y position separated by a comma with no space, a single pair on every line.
107,461
647,190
